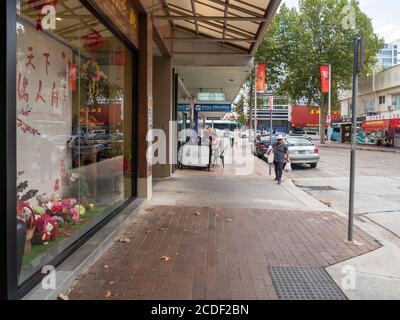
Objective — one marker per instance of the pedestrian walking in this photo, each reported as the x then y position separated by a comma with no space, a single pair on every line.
281,156
210,146
232,137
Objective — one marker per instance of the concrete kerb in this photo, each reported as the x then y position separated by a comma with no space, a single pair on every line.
359,147
309,201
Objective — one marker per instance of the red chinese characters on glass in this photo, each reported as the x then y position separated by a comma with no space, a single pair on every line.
39,96
47,62
54,97
30,58
22,87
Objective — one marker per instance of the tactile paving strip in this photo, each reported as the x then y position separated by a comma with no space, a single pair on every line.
304,283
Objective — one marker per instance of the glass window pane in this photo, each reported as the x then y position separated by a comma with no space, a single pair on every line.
74,135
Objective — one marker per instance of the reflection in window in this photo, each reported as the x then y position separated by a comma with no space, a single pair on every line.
74,135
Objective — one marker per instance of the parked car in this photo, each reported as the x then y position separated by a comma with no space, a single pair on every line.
262,144
302,151
312,135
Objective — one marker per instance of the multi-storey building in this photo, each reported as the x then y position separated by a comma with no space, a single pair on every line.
389,56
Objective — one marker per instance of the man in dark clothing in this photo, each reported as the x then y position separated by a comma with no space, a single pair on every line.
281,155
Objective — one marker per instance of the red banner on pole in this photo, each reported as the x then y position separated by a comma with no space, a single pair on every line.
325,79
261,85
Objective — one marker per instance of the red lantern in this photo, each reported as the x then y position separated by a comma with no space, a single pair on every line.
120,59
72,76
94,40
38,6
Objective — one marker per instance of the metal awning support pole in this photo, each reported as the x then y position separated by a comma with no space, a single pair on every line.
255,102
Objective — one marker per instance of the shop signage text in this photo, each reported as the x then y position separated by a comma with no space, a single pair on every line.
124,15
184,108
213,107
211,96
385,116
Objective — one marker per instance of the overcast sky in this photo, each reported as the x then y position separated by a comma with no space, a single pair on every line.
384,15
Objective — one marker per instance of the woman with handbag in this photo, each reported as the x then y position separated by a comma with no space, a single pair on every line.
281,156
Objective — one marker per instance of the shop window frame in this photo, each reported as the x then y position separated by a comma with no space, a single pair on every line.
9,288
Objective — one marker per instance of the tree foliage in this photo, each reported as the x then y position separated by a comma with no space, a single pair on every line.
239,109
300,40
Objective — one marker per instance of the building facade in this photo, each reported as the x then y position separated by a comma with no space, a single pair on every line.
379,100
389,56
83,83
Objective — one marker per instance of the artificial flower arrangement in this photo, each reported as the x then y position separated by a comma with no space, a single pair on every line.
51,216
54,215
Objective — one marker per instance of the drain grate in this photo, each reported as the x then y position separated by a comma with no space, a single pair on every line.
304,283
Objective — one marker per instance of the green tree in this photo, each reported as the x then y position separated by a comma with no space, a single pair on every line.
320,32
239,109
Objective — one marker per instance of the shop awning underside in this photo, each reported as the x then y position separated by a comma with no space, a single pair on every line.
238,25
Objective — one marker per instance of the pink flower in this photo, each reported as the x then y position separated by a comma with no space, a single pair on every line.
75,215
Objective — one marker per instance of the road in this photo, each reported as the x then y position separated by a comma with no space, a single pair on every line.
377,208
336,163
377,182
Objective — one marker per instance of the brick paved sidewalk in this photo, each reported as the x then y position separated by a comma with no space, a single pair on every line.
218,254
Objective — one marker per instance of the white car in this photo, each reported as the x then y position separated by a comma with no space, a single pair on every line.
302,151
312,135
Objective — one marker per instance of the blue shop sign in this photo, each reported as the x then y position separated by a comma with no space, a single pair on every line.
213,107
183,107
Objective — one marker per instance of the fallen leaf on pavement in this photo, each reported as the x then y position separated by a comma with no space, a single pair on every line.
165,258
327,203
108,294
63,297
125,240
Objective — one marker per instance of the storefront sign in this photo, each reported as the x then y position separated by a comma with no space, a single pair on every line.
377,125
211,96
395,123
385,116
184,108
303,116
213,107
124,15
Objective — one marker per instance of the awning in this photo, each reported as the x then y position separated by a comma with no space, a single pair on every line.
378,125
395,123
240,24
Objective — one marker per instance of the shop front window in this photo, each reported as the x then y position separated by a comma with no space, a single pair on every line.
74,128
